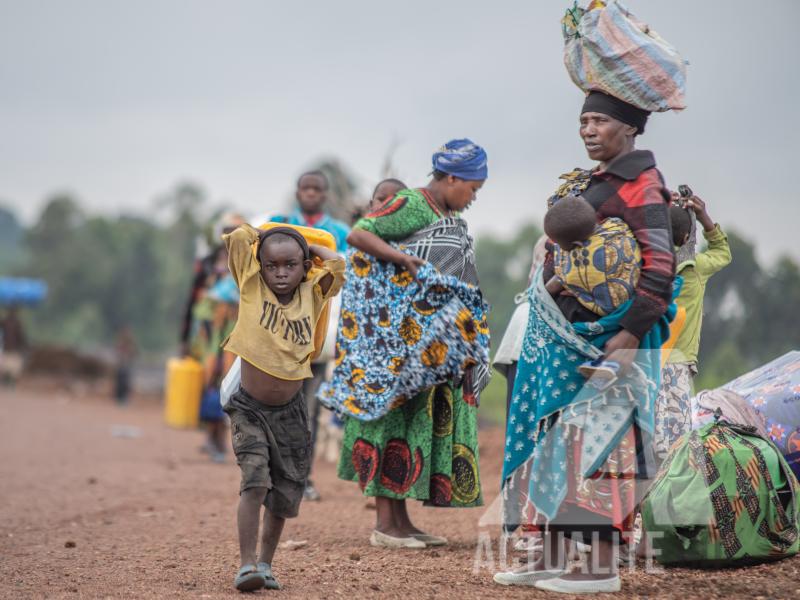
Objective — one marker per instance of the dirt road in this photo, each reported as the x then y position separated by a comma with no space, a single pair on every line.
98,501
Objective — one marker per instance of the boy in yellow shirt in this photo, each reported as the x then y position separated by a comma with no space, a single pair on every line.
281,299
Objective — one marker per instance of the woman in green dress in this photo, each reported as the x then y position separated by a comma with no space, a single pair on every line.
426,448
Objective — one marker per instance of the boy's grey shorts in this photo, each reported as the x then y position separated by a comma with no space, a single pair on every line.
272,448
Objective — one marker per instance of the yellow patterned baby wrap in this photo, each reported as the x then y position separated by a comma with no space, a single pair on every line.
603,270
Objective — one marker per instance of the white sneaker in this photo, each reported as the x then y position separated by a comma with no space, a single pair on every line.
529,544
430,540
580,586
526,577
381,540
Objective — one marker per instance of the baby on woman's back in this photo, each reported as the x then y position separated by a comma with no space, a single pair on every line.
598,263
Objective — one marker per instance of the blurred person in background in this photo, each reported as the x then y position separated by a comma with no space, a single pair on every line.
215,314
311,196
13,345
207,270
125,351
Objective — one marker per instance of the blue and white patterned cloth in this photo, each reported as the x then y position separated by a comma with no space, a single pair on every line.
399,336
551,398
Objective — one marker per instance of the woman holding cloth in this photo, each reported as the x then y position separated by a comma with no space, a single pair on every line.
425,446
574,450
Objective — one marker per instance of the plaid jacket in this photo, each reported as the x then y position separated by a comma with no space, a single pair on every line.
632,189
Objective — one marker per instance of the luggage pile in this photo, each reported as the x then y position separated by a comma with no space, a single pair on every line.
725,496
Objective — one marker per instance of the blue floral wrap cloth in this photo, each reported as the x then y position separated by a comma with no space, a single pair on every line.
399,336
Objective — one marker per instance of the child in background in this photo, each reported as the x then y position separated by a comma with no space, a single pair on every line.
281,298
207,271
385,190
673,406
312,196
221,303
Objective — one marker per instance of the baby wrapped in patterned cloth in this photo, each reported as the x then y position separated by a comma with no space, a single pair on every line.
598,263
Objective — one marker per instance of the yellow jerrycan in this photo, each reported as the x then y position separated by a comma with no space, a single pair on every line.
320,238
182,393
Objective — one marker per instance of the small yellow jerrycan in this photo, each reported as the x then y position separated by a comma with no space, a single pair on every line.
182,392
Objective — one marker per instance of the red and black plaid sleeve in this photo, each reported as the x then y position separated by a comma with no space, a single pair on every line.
646,211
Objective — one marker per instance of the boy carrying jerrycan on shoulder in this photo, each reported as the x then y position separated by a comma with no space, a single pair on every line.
284,284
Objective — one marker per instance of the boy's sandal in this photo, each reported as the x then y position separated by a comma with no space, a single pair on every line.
270,582
249,579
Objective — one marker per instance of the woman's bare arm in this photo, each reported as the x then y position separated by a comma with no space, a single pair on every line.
375,246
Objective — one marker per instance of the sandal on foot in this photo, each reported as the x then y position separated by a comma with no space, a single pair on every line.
249,579
270,582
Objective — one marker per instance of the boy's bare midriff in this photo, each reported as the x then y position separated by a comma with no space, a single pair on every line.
266,388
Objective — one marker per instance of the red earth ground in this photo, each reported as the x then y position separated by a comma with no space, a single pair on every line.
89,511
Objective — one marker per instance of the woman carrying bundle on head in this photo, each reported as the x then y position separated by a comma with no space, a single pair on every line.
575,448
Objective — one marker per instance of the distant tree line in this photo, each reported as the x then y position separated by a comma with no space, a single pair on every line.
105,272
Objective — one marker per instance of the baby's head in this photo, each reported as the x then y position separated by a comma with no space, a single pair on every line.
569,221
681,224
383,191
285,260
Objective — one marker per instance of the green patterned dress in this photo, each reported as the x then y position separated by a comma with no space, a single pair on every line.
426,448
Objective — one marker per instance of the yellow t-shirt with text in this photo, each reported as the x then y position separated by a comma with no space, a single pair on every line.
276,338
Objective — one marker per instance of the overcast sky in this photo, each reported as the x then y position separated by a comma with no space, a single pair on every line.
117,101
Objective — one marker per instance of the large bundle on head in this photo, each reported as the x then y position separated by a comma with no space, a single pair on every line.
608,49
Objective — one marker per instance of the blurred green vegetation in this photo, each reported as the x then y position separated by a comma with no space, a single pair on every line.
493,400
106,272
503,263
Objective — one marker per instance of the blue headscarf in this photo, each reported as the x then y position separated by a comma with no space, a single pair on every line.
461,158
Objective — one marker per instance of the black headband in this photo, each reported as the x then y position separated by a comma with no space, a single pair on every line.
616,109
292,233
